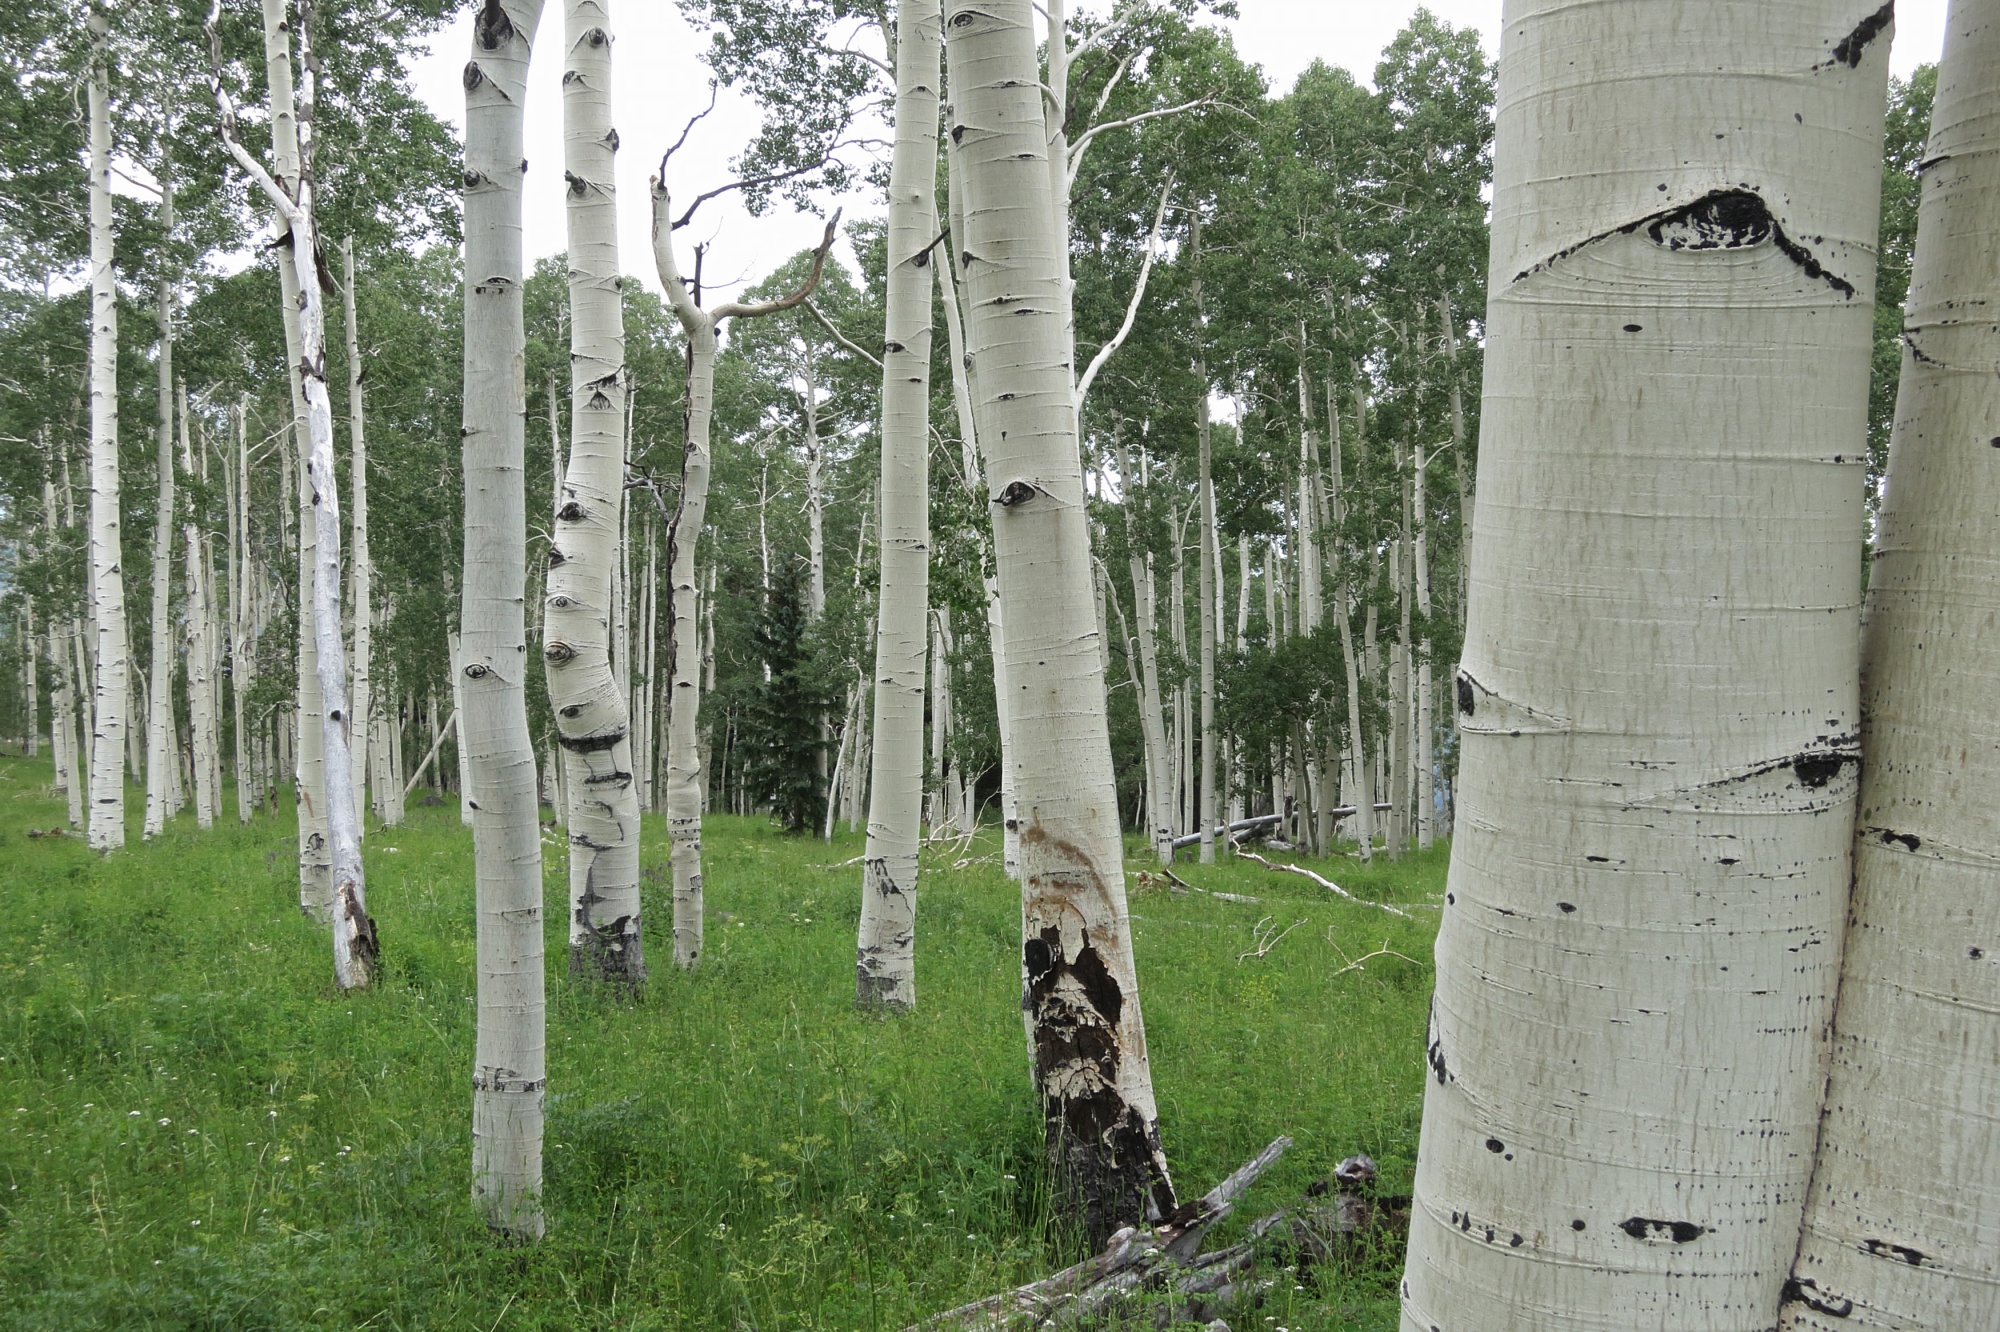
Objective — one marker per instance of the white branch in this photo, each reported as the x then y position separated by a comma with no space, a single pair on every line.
1105,352
1076,150
841,337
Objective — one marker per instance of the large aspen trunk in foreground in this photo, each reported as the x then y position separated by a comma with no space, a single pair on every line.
1080,990
885,949
1659,693
1903,1220
593,716
111,686
510,1065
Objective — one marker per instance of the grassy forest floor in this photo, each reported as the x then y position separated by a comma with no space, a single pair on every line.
203,1134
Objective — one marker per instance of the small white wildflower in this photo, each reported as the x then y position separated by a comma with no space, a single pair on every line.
195,1222
165,1122
132,1114
193,1132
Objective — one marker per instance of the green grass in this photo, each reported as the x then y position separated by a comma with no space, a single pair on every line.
202,1133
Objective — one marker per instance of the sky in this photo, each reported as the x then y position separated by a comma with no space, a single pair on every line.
659,82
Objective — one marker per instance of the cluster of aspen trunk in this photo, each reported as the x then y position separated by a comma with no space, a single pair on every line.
1713,1043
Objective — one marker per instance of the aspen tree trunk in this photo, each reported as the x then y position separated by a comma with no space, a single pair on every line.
1658,698
593,718
31,681
1080,992
363,571
1208,582
62,691
1426,759
202,728
509,1069
160,694
885,947
308,759
1905,1200
996,637
453,643
111,685
1465,497
242,649
1399,678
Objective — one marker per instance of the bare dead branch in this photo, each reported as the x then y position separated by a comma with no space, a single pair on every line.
1327,884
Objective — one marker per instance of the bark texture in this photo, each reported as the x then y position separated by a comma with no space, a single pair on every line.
510,1064
1080,993
160,747
1903,1221
1658,698
111,686
885,950
593,716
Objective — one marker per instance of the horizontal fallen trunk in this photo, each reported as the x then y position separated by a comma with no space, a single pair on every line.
1327,884
1264,821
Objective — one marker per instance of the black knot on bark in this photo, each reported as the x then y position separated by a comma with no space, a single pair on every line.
597,37
576,183
571,512
474,75
477,671
492,29
561,602
557,654
1016,492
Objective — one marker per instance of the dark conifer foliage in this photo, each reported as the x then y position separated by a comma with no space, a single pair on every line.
781,724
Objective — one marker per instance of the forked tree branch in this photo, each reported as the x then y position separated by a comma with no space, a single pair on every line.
1105,352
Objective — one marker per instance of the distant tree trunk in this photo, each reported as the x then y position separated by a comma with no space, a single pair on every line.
1426,759
111,686
509,1067
1208,581
242,579
160,691
1152,719
1905,1198
62,689
1458,442
1080,990
593,718
31,681
201,657
1399,672
885,947
363,573
1659,692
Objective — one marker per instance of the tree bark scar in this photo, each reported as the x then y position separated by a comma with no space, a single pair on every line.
493,29
1851,47
1662,1232
1800,1290
1726,219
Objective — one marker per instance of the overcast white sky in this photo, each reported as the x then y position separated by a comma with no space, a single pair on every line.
660,82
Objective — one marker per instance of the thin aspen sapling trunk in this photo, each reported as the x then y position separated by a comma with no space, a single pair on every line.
510,1063
201,656
593,716
885,947
160,694
111,682
1080,989
684,775
363,571
1905,1199
1658,699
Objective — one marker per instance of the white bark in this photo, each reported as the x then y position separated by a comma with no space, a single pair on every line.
509,1067
201,659
30,678
362,569
593,716
1426,702
1208,582
684,775
309,763
1078,974
242,648
885,946
111,685
1659,692
1905,1202
457,728
160,755
62,689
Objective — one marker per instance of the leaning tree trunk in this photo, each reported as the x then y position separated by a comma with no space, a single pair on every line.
1658,698
309,761
1080,998
354,941
509,1068
160,747
885,950
1905,1201
593,717
111,686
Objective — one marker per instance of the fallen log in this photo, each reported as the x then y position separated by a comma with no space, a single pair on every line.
1223,830
1327,884
1138,1259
